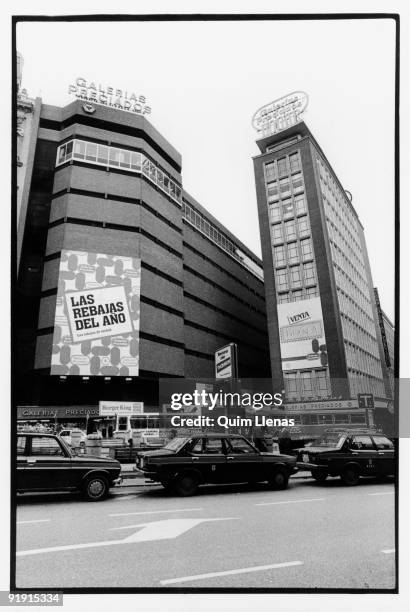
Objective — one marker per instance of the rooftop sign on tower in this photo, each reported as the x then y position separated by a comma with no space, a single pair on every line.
280,114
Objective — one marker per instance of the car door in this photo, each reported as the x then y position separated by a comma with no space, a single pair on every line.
209,457
48,464
385,462
21,463
364,453
244,462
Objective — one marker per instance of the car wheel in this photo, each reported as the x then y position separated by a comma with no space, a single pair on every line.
186,484
350,476
279,480
95,488
319,475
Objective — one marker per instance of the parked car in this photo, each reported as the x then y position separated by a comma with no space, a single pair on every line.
185,463
66,434
350,455
46,463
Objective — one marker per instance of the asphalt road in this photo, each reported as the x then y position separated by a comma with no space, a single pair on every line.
309,536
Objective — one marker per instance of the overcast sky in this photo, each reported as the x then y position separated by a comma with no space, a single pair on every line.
204,81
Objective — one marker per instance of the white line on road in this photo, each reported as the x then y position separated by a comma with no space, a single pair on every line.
384,493
33,521
157,511
290,501
244,570
388,551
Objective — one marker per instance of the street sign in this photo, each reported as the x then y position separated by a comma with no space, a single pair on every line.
366,400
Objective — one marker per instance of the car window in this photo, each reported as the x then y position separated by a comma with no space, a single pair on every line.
362,443
45,446
383,442
21,445
214,446
240,446
197,448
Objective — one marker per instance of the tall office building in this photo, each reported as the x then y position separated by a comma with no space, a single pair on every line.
387,346
322,319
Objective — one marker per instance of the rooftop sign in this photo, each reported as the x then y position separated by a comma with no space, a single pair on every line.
280,114
108,96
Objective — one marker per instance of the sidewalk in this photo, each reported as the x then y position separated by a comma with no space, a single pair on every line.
133,478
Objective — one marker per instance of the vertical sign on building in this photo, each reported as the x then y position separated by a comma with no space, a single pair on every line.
96,327
226,361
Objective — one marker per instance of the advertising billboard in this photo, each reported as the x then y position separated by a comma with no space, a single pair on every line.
302,335
96,327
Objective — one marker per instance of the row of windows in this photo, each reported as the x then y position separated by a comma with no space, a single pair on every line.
284,187
288,208
350,241
353,333
360,360
350,418
344,283
290,230
293,252
363,383
352,310
113,157
283,166
298,294
212,232
343,260
306,384
295,277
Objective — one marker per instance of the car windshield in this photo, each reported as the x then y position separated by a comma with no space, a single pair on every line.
330,440
175,444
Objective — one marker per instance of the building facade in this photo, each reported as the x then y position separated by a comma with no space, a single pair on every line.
321,311
111,238
387,346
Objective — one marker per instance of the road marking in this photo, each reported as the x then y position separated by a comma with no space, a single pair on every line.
387,493
388,551
245,570
33,521
156,511
290,501
157,530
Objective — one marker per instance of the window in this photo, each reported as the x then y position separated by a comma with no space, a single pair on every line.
125,159
297,182
79,150
283,298
294,162
114,157
214,446
240,446
284,185
277,233
290,230
382,442
197,448
282,166
300,204
311,292
102,157
322,383
281,280
295,277
293,253
290,385
297,295
274,212
136,161
287,208
270,171
21,445
303,227
306,247
273,189
61,154
306,383
362,443
45,446
309,273
279,256
91,152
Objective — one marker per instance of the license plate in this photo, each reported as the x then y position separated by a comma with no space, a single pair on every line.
305,458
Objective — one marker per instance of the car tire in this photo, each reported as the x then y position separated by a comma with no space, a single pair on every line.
279,480
186,485
95,488
350,476
319,475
